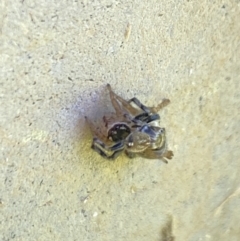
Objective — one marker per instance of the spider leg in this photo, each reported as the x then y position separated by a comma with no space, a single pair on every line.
146,109
141,119
120,104
160,106
130,118
114,101
168,154
130,154
139,104
145,117
96,131
108,152
157,154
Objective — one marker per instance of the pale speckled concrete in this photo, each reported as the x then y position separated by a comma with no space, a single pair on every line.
56,57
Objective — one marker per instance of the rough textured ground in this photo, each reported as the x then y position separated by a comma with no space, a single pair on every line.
55,59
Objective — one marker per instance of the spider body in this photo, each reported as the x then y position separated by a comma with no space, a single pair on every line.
131,129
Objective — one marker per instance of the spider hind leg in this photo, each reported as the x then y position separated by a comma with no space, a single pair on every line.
115,103
120,105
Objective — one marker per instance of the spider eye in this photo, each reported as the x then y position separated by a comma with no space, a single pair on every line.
130,144
162,130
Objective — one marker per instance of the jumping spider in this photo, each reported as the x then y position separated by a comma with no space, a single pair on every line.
133,129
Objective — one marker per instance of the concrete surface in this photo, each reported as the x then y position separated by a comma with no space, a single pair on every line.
56,57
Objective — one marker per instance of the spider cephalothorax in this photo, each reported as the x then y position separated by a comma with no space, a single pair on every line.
134,130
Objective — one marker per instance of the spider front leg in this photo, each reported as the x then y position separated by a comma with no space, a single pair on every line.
108,152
